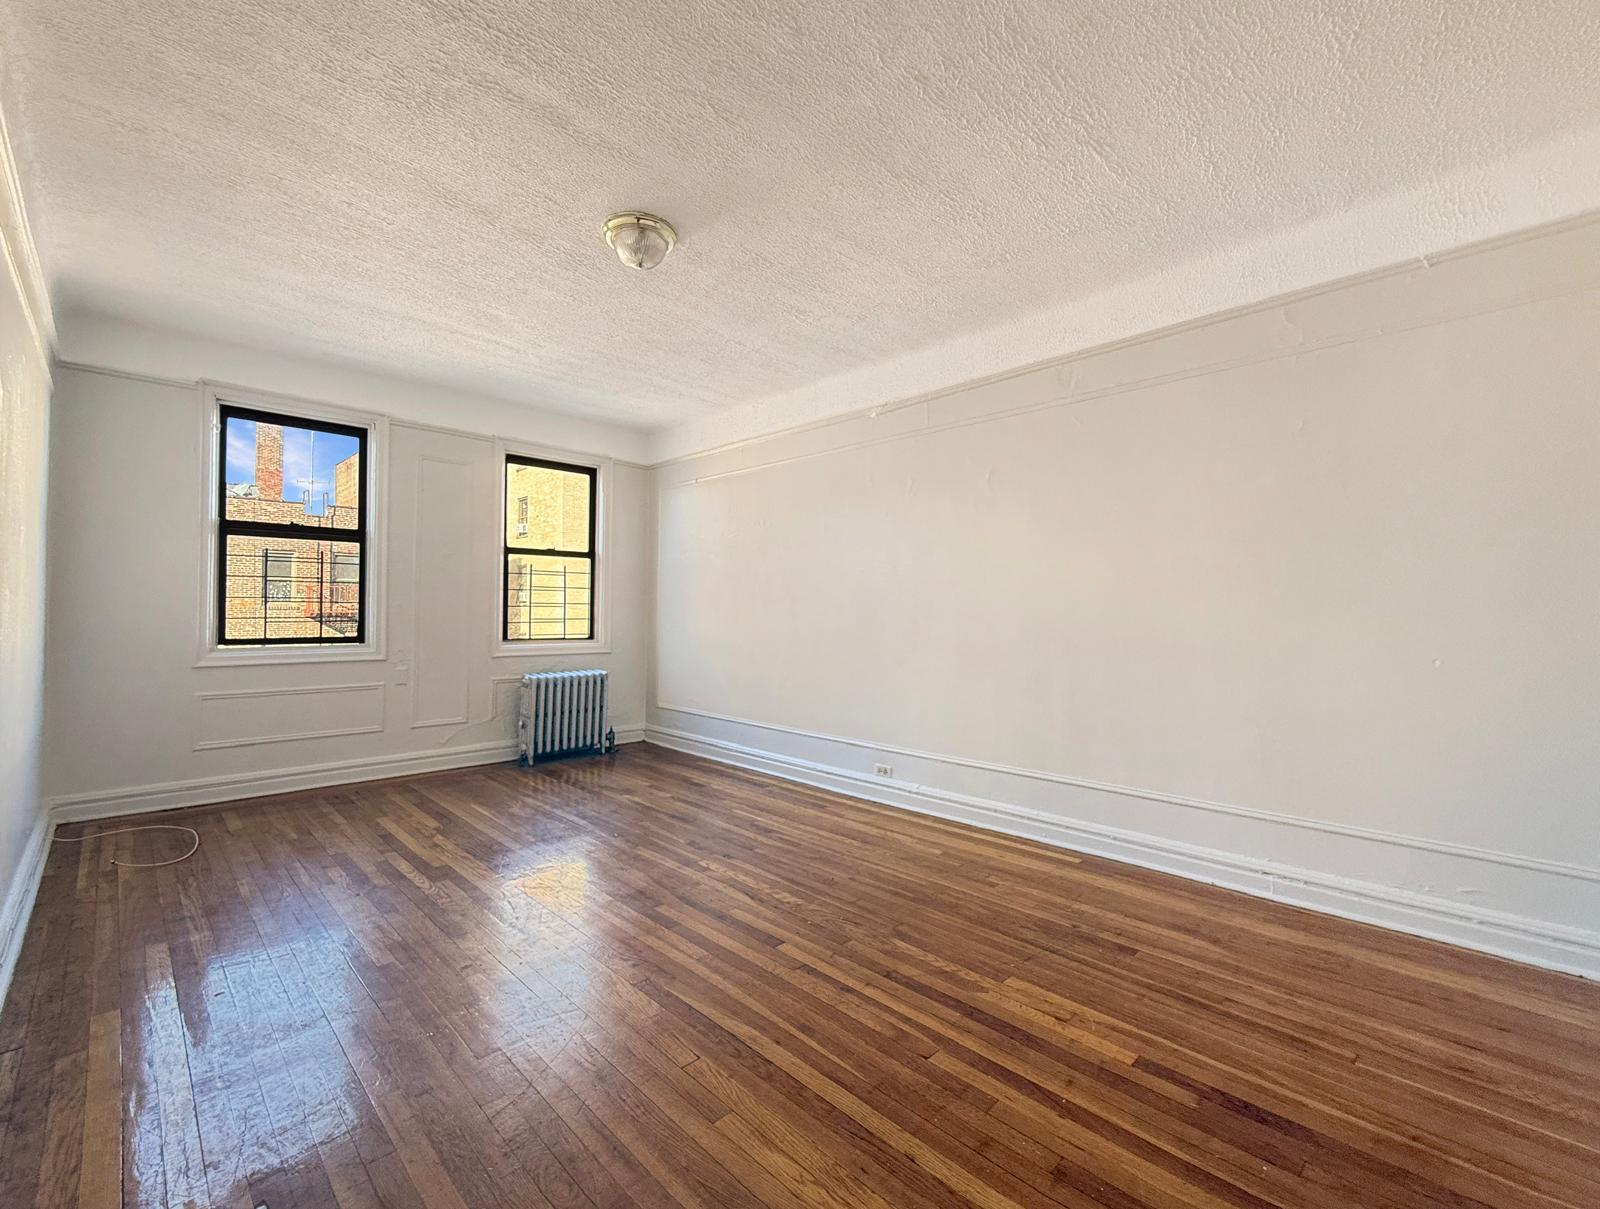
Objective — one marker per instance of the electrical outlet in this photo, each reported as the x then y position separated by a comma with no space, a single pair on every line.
883,770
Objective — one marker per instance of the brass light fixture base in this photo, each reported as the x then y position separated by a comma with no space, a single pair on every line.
640,240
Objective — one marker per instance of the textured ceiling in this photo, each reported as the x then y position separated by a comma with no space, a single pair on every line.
419,186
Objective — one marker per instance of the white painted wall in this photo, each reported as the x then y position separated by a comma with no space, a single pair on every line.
87,338
1304,599
24,433
132,724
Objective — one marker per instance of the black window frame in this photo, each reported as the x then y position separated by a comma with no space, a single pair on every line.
592,553
227,527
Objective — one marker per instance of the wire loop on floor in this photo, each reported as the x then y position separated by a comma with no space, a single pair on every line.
193,848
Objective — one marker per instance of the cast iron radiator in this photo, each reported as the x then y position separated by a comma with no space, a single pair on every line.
563,714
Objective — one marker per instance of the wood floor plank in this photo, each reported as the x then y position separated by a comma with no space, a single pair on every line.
652,980
100,1179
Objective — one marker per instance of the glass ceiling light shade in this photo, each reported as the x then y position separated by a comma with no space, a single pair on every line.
641,241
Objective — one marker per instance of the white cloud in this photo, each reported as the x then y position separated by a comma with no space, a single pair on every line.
241,453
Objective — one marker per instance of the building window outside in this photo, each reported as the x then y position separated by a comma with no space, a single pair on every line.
549,587
292,530
279,574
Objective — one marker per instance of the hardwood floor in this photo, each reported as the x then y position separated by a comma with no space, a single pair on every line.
651,980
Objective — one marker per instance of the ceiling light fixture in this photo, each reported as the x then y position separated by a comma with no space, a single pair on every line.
641,241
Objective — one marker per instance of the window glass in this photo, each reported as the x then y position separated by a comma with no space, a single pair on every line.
290,474
548,578
309,593
549,507
291,536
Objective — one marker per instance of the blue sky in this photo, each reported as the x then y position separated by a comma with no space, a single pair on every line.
308,459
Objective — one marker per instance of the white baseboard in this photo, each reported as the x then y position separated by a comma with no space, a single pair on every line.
1538,942
20,898
138,799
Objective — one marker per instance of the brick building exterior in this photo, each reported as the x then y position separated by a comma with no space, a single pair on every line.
291,588
548,596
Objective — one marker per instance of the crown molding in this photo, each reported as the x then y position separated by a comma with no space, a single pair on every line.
22,257
807,411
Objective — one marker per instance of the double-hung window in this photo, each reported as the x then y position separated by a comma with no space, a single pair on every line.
291,531
548,586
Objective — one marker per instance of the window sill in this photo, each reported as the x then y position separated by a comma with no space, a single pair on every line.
261,656
545,649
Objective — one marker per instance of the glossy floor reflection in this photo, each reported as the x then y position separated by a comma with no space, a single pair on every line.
650,980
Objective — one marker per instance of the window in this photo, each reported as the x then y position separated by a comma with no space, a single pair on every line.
279,574
291,531
550,586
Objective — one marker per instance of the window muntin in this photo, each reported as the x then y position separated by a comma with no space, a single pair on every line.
292,530
548,586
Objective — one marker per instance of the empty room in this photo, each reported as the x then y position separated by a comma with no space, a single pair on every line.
888,606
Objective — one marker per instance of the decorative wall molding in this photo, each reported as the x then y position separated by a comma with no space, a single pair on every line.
20,898
84,367
1062,386
293,691
170,795
1512,860
494,693
310,690
1518,937
879,388
419,654
258,740
1066,398
136,799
